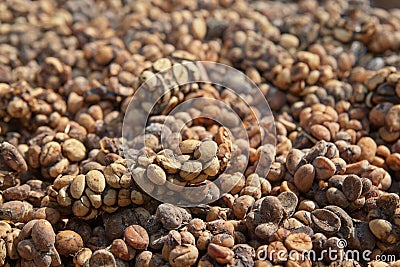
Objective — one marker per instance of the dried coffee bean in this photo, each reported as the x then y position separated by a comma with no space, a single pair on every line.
26,249
381,229
81,207
121,250
137,237
206,151
271,209
244,255
171,216
336,181
266,230
326,221
190,170
212,168
346,222
78,186
183,255
220,226
336,197
368,148
43,235
293,160
298,241
95,181
304,177
242,205
277,252
82,256
203,240
289,202
199,28
156,174
352,187
143,259
196,226
20,192
308,205
68,242
303,216
189,146
221,254
12,157
392,119
102,257
74,150
51,153
224,240
324,168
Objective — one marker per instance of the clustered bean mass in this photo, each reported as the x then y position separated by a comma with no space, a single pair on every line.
68,70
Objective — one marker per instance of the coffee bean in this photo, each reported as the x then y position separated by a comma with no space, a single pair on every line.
190,170
381,229
324,168
221,254
271,209
326,221
78,186
352,187
95,181
12,157
298,241
199,28
51,153
346,222
156,174
293,160
289,202
392,119
188,146
74,150
277,252
136,236
68,242
206,151
336,197
304,177
266,230
368,148
102,257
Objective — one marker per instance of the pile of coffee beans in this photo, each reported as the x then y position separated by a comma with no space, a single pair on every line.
320,172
